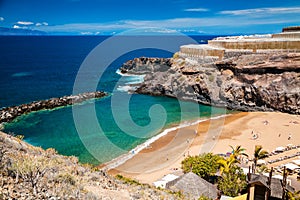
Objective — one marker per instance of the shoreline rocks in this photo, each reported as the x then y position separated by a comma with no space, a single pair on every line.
8,114
144,65
268,81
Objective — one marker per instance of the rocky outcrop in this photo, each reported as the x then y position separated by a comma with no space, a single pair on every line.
268,81
146,65
10,113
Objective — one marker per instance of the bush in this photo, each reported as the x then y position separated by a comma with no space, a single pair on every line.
127,180
204,165
202,197
211,78
176,55
30,168
65,178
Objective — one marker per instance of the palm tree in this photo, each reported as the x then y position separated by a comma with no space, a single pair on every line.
238,151
226,164
259,153
294,195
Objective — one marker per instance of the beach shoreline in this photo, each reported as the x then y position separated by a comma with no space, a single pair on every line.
213,135
144,147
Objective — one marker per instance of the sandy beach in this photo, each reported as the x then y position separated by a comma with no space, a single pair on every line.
164,156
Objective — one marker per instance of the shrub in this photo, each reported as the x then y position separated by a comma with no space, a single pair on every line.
30,168
204,165
65,178
202,197
127,180
176,55
211,78
19,138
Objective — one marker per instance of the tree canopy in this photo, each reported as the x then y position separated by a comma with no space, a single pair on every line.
204,165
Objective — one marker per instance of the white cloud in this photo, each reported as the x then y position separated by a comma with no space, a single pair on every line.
20,27
25,23
1,19
196,10
86,33
41,24
175,24
278,10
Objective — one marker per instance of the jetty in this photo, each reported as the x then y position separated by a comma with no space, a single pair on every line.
8,114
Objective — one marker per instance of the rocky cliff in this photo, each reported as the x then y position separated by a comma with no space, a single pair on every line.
268,81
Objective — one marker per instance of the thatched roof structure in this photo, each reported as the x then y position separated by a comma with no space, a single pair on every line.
193,186
276,184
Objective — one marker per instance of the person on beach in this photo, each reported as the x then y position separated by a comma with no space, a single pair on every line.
255,136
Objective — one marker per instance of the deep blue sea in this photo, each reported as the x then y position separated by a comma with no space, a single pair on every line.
40,67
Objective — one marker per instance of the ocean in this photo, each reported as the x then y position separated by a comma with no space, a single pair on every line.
41,67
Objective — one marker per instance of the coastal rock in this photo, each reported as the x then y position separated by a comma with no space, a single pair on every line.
10,113
268,81
145,65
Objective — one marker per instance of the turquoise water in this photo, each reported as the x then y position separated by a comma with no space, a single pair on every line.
56,128
36,68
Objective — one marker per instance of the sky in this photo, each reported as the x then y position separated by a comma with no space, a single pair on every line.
106,17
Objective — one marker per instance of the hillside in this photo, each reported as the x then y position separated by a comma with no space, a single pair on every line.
28,172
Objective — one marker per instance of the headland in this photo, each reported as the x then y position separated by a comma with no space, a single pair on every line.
246,73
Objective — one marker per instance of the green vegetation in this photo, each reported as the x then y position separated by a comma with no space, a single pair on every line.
204,198
65,178
294,195
259,153
226,164
176,55
204,165
233,182
182,63
127,180
31,169
211,78
181,79
262,169
19,137
238,151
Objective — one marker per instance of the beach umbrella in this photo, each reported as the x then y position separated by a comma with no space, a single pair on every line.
261,162
279,149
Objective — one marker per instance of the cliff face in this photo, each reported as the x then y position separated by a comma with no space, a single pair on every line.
265,82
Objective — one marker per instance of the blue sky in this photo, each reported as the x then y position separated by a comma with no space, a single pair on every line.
102,17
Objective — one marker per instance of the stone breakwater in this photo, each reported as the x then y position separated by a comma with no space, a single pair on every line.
10,113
